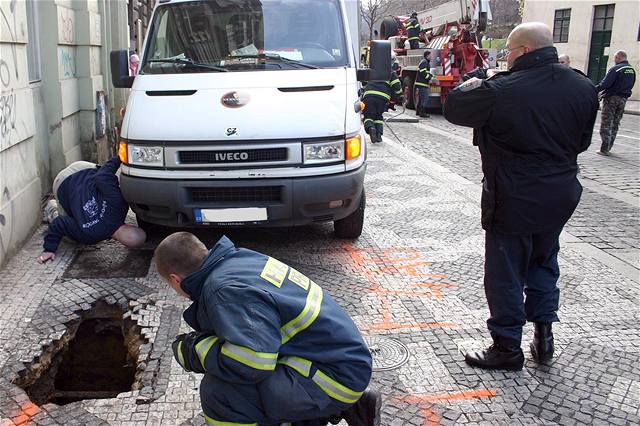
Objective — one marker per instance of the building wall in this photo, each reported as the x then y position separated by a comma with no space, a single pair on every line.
50,122
624,34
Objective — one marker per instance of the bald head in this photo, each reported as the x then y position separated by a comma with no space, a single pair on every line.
534,35
526,38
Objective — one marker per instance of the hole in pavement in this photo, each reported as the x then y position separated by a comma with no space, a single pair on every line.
109,260
96,358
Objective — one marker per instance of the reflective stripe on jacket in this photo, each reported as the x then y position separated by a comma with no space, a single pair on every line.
385,89
256,312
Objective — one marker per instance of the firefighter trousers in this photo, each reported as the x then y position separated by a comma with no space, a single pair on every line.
373,110
284,397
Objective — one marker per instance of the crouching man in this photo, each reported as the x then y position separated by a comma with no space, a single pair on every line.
273,346
89,208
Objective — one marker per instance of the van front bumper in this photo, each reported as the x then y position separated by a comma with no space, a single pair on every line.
288,201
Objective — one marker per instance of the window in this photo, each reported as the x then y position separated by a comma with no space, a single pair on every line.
603,19
561,26
33,45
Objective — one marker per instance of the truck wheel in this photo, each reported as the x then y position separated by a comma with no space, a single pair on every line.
351,226
388,28
407,85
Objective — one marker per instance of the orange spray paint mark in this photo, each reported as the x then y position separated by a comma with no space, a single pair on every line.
405,263
431,418
27,410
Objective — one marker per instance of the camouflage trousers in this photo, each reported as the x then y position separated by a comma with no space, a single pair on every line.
612,110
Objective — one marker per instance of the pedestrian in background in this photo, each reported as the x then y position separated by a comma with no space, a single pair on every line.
616,88
564,60
530,123
273,346
134,61
88,208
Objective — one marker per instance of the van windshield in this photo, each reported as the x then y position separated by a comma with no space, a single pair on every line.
243,35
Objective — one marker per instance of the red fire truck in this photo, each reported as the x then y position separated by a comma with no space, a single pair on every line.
452,32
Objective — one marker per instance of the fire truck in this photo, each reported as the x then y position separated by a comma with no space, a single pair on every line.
452,32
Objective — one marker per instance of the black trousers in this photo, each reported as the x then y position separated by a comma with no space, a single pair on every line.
520,277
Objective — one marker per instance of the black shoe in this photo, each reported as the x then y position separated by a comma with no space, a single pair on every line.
497,357
372,134
378,137
424,114
602,152
542,345
365,412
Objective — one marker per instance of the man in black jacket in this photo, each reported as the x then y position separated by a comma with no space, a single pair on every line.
91,208
530,123
413,31
616,88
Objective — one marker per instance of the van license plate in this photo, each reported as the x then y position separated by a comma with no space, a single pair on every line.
250,214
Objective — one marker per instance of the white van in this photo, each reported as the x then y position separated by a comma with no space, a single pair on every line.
246,112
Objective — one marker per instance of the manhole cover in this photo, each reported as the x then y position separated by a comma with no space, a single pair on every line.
387,353
109,260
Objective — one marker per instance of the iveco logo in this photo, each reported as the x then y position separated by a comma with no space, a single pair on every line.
231,156
234,99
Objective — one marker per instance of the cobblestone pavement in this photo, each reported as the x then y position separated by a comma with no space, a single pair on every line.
412,282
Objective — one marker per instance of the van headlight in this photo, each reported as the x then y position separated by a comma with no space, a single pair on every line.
152,156
323,152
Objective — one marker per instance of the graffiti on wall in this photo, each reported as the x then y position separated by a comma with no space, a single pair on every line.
67,26
8,72
67,62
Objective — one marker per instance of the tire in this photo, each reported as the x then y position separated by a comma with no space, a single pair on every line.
388,28
147,227
351,226
407,88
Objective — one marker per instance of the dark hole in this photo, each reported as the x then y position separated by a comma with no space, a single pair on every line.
94,360
95,364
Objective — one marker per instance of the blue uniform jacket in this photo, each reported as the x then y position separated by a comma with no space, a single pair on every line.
530,124
391,89
619,81
94,205
413,29
423,76
258,312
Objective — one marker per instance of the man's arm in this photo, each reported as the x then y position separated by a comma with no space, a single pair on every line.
607,81
248,341
587,134
60,227
106,179
471,103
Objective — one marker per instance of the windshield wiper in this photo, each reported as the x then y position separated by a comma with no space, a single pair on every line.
189,62
276,58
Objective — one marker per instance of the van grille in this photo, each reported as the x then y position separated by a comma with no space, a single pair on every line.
233,156
250,193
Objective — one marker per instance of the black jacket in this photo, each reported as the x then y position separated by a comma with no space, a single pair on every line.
529,123
423,76
619,81
94,204
413,29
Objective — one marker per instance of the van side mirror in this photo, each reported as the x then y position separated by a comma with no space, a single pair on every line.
380,62
120,77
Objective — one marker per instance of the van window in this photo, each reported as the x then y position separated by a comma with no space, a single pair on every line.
243,35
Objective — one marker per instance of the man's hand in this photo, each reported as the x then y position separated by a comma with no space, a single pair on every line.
401,100
181,349
46,256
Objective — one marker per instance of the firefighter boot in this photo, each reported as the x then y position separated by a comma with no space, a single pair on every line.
373,134
504,354
365,412
542,345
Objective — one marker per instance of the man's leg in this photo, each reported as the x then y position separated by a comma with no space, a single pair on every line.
619,103
606,123
542,293
506,261
424,101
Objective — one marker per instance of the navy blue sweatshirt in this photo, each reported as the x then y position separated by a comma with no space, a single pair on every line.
94,204
619,81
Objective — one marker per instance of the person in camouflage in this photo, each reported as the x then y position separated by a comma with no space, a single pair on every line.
616,88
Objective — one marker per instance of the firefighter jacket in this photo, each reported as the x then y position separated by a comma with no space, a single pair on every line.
424,73
530,124
385,89
619,81
413,28
256,312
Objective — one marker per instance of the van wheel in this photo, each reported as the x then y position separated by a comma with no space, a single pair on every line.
407,85
351,226
147,227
